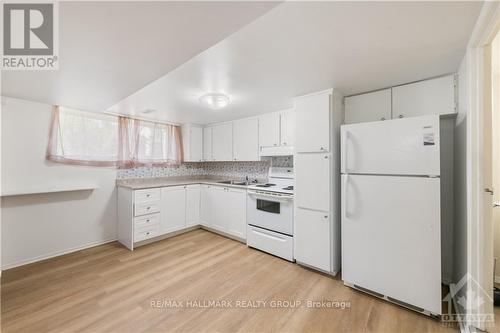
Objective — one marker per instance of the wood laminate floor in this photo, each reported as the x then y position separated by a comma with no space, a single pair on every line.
168,286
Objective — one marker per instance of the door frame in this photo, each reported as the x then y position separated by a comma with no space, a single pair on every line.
479,228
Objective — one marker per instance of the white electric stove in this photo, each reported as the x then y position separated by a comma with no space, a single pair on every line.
280,180
270,214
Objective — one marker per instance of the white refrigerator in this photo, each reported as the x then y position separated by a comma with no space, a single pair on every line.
395,207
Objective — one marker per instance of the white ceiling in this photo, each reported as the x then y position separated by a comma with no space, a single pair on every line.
299,47
108,50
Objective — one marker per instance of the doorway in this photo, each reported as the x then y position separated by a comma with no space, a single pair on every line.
495,170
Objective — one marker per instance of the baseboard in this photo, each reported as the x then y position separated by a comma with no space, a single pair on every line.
222,233
56,254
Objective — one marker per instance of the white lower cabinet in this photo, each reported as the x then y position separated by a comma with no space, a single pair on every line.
217,198
149,213
224,209
236,212
173,209
206,205
193,202
312,239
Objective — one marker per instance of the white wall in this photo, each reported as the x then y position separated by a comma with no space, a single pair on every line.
44,225
460,226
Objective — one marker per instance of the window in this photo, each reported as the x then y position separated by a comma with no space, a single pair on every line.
107,140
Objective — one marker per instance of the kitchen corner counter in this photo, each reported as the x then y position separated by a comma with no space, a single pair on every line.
143,183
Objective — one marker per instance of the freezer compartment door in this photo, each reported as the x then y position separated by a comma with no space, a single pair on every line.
408,146
391,237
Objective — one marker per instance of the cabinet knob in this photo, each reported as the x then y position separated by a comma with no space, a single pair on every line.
148,208
284,143
326,216
383,118
326,156
321,148
148,195
400,116
235,159
275,144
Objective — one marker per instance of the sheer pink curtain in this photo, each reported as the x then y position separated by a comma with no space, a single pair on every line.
153,144
83,138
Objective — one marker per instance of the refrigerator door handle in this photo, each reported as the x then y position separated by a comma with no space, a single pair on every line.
344,148
344,197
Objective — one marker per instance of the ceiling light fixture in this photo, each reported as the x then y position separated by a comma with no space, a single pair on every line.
215,101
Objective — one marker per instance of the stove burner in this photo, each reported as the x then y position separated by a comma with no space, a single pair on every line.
265,185
288,188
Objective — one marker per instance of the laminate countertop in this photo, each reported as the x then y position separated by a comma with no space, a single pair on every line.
142,183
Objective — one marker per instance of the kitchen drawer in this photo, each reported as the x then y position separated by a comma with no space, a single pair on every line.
146,232
146,220
147,195
146,208
272,242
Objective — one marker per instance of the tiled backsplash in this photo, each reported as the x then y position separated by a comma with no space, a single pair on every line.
253,170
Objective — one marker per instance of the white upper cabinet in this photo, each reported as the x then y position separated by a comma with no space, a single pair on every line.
222,142
192,140
435,96
269,130
287,122
372,106
246,139
207,144
313,123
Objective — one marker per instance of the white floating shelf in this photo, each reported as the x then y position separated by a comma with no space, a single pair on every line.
28,191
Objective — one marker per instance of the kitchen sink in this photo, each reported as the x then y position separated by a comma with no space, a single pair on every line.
232,182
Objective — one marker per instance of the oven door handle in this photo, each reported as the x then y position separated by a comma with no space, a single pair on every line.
265,234
270,197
